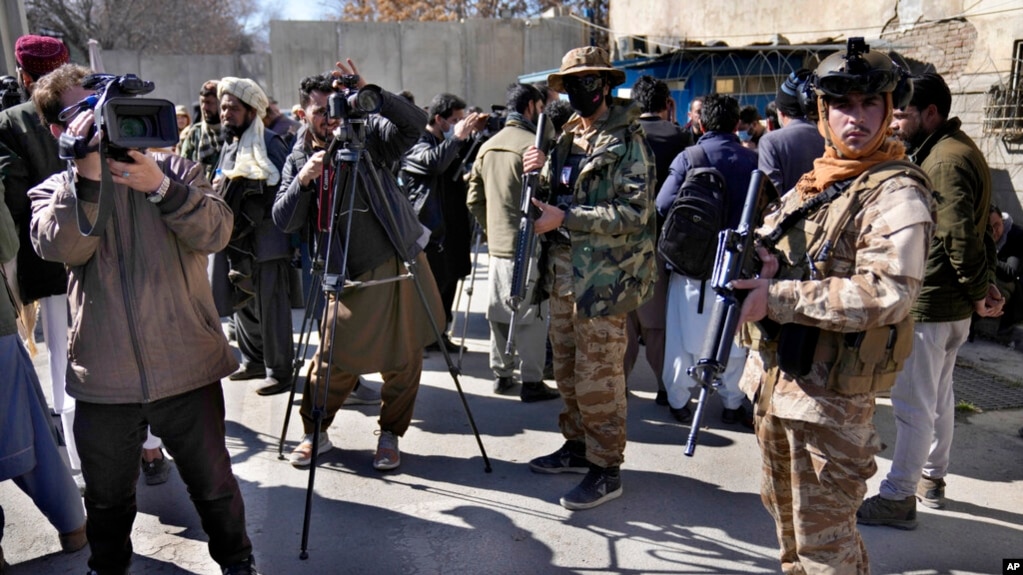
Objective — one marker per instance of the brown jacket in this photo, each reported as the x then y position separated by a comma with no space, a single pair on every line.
144,326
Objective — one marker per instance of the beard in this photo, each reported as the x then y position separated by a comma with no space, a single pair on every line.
233,132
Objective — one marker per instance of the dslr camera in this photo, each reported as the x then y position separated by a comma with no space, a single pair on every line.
351,107
125,120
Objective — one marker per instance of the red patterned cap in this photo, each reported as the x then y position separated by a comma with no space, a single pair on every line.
39,55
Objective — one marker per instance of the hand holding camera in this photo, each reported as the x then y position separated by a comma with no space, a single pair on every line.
142,174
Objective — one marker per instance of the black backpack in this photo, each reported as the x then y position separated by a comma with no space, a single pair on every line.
690,235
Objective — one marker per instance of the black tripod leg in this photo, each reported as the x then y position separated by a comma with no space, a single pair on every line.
452,369
300,350
317,422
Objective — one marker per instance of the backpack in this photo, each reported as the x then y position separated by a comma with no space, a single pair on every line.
689,237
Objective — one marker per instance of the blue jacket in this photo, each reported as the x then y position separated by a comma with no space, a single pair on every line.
725,153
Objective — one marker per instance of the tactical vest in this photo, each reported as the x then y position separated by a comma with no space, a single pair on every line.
862,362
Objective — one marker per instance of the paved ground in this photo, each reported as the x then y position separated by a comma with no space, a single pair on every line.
441,513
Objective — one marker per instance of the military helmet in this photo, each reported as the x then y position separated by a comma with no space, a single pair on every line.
863,71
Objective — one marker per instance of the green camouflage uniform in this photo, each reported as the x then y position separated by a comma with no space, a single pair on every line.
607,270
818,445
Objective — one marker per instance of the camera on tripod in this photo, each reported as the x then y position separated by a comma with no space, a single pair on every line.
350,106
126,121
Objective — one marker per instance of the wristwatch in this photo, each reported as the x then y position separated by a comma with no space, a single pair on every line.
161,192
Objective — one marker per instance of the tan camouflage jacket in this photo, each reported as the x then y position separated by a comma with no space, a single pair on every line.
611,222
871,278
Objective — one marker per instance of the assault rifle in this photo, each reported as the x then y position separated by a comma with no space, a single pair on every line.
733,259
525,240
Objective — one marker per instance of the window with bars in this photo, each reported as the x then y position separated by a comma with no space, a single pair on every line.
1003,114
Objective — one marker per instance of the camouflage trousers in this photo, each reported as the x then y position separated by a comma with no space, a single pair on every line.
814,480
589,355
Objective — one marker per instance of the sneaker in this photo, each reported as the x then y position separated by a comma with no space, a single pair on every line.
74,540
571,458
877,510
931,492
387,456
600,485
503,384
273,386
302,456
156,471
248,372
363,395
246,567
533,391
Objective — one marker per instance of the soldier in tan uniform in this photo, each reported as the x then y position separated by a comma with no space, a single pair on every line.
600,215
837,286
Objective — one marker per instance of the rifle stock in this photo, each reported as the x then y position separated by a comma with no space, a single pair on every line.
525,240
734,257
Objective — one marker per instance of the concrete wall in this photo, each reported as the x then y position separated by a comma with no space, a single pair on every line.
475,59
969,43
178,77
12,25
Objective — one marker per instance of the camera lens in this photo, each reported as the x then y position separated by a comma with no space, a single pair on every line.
131,127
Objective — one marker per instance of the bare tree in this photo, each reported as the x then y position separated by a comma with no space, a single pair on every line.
179,27
398,10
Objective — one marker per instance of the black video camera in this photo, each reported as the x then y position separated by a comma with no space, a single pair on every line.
496,119
10,92
126,121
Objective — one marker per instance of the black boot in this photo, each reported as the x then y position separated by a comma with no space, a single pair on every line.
537,391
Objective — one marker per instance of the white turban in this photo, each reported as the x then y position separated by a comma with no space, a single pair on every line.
251,161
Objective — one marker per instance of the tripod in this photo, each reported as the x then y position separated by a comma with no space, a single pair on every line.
477,234
346,154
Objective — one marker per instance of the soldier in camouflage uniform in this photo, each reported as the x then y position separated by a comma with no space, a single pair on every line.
842,280
600,266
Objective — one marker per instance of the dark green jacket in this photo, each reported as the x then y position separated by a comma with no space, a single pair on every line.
960,264
8,249
28,155
612,222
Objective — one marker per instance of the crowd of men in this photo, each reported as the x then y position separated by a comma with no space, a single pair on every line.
871,264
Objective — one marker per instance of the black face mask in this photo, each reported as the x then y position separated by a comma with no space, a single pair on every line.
585,93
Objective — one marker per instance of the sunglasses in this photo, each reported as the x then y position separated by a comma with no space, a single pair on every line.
587,83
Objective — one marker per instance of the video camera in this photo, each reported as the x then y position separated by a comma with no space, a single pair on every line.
126,121
496,119
10,92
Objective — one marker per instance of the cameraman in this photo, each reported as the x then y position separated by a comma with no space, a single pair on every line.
377,329
432,171
146,344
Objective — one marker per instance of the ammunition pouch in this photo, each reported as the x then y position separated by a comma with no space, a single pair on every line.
866,361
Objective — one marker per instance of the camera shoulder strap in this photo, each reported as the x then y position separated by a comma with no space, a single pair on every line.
104,202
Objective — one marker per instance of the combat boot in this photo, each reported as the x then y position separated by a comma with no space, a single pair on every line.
877,510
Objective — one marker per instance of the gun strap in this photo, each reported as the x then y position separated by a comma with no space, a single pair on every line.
823,198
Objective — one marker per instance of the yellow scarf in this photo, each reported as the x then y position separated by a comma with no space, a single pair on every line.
839,163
